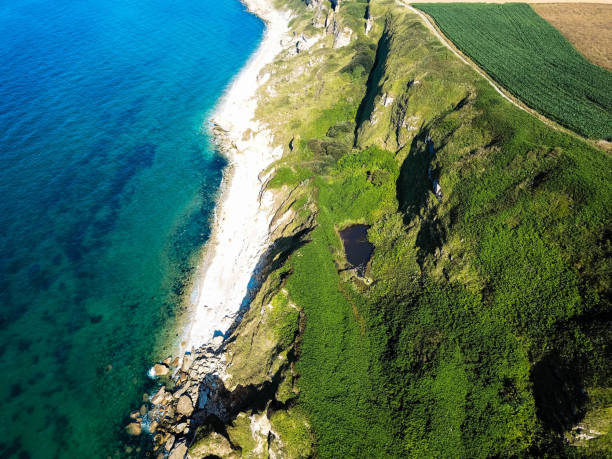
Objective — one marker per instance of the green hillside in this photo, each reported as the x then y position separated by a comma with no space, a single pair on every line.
482,325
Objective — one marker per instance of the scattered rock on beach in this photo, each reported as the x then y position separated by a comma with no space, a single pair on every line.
169,443
184,405
179,428
187,361
159,396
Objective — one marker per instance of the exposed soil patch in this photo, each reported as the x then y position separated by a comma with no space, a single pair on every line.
585,25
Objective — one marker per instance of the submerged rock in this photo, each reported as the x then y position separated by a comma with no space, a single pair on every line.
134,428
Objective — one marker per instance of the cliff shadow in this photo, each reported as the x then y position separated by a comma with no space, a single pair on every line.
274,258
375,79
413,184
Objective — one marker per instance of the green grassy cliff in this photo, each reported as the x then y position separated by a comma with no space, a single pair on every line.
482,326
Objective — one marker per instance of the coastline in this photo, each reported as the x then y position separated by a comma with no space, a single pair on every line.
240,232
317,335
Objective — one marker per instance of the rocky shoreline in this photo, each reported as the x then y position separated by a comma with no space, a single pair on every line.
195,386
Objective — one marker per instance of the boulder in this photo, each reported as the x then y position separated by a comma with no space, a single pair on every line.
160,369
178,452
170,442
134,428
180,427
167,361
159,396
181,391
184,405
187,361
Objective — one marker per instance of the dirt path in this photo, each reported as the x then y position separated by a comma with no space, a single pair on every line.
504,93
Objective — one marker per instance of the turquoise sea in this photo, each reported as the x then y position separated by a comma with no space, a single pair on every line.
107,185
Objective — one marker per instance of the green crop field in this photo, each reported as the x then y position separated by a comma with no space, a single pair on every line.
533,61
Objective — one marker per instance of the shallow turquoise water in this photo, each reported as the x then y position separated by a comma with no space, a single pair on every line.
107,183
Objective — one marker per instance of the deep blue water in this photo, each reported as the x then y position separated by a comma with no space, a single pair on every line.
107,183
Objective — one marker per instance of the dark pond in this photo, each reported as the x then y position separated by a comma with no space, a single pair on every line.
357,248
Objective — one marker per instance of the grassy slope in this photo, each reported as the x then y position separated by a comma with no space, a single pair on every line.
479,300
531,59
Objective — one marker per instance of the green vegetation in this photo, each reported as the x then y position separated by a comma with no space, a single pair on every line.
295,437
267,334
212,444
485,312
531,59
240,434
